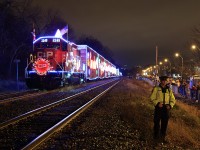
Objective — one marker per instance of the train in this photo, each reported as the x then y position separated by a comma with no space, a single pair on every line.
55,62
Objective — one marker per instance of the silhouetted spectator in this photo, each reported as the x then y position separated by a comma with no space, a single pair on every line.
193,92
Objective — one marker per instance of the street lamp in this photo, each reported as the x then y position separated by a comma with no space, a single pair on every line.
178,55
195,47
159,68
166,60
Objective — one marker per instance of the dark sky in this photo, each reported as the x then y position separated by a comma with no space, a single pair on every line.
132,28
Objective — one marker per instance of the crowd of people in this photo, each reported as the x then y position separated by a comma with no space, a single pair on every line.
185,88
189,90
163,99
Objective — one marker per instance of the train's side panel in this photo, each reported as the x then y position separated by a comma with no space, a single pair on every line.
109,69
68,62
101,67
106,68
73,59
76,60
92,64
112,70
84,61
83,57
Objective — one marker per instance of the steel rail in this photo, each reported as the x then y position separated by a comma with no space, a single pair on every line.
43,108
44,136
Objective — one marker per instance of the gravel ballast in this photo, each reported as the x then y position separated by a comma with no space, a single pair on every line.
123,119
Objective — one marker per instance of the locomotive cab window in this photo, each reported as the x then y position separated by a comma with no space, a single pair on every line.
50,45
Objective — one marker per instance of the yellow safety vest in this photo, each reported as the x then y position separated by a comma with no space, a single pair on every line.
166,98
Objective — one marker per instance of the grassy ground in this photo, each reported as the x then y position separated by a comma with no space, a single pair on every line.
123,119
184,124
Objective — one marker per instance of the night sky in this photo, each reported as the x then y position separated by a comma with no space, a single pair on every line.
132,28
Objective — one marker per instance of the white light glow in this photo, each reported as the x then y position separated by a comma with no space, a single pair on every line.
58,34
49,37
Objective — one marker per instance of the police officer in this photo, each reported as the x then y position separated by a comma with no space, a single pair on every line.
163,100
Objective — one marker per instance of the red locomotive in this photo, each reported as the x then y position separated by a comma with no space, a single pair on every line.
56,61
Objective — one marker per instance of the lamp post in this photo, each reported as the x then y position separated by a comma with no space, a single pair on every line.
170,69
178,55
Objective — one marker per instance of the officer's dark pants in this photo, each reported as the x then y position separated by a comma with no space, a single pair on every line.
160,115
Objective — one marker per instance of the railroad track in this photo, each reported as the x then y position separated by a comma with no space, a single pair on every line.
21,106
39,124
10,95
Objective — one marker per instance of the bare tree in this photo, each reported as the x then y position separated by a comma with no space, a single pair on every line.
17,18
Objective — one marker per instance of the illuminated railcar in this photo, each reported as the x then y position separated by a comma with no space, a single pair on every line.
54,62
102,65
95,65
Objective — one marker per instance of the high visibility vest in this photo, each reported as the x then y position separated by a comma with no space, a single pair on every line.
158,96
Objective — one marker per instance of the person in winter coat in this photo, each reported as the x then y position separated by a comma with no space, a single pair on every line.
163,100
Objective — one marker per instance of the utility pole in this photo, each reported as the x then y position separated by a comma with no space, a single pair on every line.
156,74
